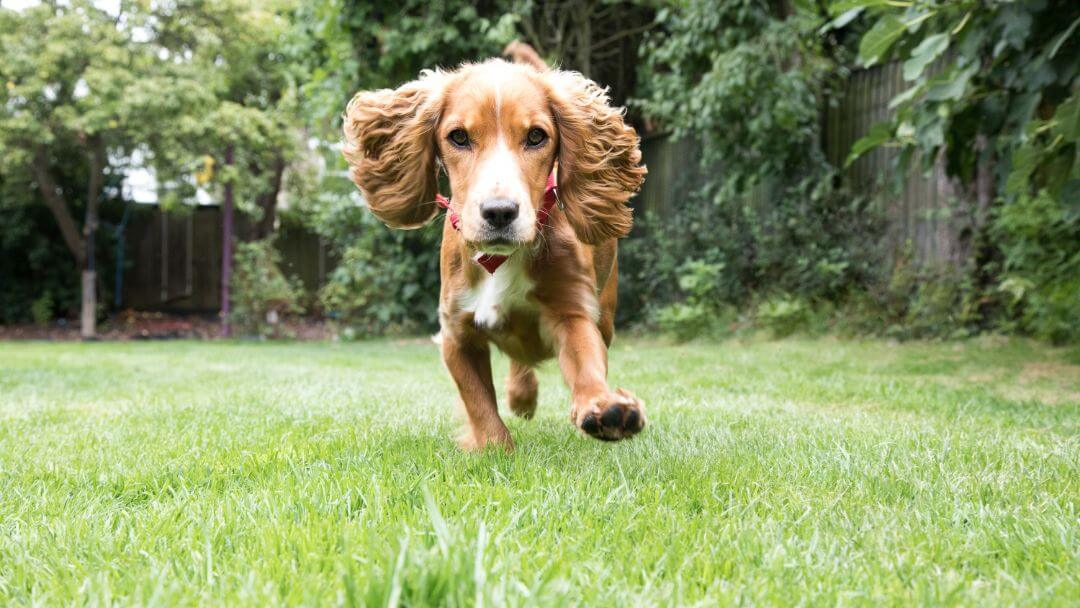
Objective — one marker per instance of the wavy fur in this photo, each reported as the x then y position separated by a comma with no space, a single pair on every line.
599,158
390,147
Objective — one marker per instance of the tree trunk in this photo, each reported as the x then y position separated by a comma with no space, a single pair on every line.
50,193
80,246
88,318
267,201
226,248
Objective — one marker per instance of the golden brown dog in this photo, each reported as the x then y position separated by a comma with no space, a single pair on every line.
500,131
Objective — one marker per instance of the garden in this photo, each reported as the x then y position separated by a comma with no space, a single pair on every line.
850,301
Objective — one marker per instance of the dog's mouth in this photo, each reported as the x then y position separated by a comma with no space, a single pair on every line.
498,246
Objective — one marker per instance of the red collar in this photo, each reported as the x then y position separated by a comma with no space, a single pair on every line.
492,261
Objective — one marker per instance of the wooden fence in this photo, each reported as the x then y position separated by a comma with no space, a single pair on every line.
174,259
924,215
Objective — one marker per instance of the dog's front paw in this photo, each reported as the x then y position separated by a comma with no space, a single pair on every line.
611,417
472,441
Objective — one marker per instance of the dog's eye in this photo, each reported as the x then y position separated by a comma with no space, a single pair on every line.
459,138
535,137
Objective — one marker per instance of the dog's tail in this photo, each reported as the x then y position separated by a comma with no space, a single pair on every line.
521,52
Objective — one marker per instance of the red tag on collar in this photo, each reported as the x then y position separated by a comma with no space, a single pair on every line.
490,261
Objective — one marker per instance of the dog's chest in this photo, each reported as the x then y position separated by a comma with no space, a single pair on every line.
498,294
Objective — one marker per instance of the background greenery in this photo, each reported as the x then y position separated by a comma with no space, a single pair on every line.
774,237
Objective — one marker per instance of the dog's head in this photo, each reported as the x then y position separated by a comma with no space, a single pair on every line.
498,129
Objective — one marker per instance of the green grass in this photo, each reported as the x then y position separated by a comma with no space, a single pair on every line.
803,471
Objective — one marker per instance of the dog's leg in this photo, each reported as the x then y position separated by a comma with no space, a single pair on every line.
595,409
470,367
521,388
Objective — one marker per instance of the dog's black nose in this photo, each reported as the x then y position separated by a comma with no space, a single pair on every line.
499,212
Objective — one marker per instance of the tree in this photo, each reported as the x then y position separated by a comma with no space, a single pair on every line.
599,39
172,84
65,72
254,132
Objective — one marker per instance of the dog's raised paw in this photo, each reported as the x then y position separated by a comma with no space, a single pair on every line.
612,417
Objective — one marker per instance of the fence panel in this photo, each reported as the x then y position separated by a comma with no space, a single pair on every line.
923,214
174,259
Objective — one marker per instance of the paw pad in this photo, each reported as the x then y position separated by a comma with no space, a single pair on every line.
614,417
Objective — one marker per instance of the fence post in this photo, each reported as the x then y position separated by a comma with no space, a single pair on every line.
226,246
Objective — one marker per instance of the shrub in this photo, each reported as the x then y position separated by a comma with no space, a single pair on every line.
1039,237
702,313
387,281
784,315
766,213
41,310
261,293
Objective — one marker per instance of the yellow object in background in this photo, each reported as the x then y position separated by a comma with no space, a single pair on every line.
204,175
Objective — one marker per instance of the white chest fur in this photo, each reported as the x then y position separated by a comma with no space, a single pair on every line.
497,294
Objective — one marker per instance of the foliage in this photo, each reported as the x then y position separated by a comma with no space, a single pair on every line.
1040,237
387,281
989,81
994,85
90,95
348,45
746,78
42,309
784,315
697,314
999,65
927,302
33,263
261,293
763,225
743,75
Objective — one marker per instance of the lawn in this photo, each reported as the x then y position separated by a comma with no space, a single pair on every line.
801,471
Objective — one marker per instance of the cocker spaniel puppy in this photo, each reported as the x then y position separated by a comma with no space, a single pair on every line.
540,167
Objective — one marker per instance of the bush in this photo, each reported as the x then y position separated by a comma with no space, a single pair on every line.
784,315
702,313
994,88
764,212
387,281
1040,239
33,262
261,293
41,310
722,246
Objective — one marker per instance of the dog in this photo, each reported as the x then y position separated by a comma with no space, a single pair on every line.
541,168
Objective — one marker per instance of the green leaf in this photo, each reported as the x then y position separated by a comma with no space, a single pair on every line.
950,86
879,134
842,6
880,38
923,55
842,20
1055,46
1024,162
904,97
1067,119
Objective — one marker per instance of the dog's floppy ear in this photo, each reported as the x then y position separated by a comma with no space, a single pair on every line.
599,158
390,147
